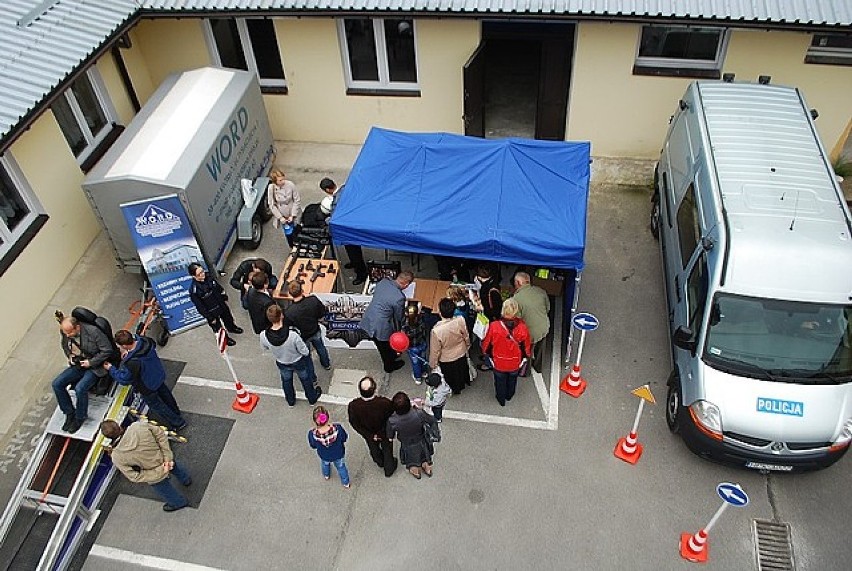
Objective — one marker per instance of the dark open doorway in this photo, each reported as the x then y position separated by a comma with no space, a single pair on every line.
517,81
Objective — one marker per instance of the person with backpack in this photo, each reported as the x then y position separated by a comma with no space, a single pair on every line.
507,345
142,368
87,349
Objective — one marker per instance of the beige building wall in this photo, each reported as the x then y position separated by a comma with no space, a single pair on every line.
318,109
54,177
164,46
52,254
626,115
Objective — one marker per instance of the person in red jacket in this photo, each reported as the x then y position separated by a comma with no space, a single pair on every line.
507,345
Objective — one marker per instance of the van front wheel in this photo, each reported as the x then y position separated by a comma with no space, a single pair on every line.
674,406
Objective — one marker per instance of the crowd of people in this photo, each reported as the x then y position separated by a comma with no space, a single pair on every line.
442,348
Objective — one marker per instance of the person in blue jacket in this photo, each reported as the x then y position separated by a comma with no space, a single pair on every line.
141,367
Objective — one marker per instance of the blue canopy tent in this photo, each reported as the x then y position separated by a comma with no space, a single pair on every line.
514,201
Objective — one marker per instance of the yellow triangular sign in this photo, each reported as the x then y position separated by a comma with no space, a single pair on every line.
644,392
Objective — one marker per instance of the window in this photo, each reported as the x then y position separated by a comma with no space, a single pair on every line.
21,215
697,285
688,229
249,44
379,55
681,51
85,116
830,49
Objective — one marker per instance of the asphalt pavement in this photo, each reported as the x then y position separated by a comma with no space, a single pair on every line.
531,486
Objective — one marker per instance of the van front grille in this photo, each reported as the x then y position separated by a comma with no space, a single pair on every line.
761,443
750,440
807,445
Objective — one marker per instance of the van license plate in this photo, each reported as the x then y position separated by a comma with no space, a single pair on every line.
773,467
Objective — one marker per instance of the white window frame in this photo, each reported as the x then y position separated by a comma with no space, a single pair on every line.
827,55
679,63
248,50
384,82
16,176
107,108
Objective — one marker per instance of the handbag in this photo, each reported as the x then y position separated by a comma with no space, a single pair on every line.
480,325
431,430
524,369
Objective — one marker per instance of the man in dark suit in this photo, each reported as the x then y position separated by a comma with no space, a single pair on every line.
384,316
369,415
258,299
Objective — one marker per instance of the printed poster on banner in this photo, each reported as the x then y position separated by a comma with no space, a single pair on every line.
166,246
343,319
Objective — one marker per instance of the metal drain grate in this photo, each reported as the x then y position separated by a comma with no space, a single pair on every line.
773,545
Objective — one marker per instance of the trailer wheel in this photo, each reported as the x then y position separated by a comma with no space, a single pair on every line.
264,210
256,233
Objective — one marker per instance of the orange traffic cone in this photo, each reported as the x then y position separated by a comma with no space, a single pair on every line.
245,401
628,449
572,383
694,547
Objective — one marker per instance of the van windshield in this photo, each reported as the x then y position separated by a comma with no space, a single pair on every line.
780,340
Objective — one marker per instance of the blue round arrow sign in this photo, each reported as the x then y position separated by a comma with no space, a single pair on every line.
733,494
585,322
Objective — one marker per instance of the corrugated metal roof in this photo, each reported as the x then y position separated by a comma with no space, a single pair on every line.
42,42
807,12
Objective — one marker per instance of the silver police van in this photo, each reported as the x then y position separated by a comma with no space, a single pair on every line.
757,252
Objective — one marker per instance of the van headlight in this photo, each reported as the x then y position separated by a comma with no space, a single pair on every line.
707,418
842,441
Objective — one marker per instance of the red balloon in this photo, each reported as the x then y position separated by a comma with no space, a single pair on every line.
399,341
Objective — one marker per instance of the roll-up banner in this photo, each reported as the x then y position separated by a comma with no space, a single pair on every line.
166,246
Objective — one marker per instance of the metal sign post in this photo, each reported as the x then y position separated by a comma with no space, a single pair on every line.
628,448
694,547
244,401
572,383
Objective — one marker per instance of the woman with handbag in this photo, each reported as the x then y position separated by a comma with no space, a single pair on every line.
409,425
285,204
507,344
448,346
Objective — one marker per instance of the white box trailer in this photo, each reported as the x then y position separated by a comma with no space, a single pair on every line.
198,135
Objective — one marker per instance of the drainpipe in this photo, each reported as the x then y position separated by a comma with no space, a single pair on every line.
124,42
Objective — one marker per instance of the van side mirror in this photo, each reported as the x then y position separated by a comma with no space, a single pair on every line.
684,339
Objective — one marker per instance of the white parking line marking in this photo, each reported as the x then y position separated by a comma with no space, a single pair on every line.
333,399
555,369
148,561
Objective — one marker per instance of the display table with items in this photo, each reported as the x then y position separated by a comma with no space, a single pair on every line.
430,292
316,275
